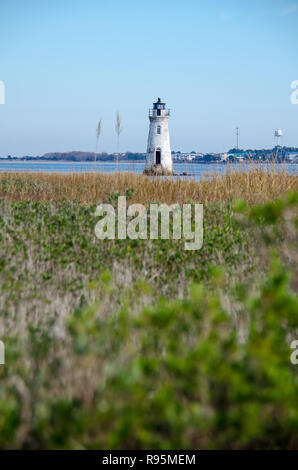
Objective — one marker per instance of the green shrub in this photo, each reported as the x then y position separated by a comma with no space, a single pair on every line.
123,365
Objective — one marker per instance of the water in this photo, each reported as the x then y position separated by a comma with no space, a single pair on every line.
196,170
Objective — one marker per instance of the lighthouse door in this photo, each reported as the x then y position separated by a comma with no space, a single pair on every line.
157,157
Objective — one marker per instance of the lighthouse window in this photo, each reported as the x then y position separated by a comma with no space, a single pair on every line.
158,130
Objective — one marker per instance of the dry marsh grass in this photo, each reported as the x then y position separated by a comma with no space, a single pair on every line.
255,186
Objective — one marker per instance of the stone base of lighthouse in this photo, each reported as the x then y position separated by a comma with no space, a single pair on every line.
157,170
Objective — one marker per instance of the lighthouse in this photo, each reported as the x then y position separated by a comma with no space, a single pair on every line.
159,158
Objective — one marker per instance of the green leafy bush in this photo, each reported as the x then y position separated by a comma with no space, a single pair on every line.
120,364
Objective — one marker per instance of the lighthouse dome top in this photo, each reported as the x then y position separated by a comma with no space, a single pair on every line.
159,104
159,109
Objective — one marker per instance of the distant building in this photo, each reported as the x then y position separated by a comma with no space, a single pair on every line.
293,156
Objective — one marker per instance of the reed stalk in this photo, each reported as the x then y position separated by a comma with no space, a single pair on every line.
118,129
98,132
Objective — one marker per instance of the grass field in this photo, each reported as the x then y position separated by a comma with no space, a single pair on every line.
88,188
139,343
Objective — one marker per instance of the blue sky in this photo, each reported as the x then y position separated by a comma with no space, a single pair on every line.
217,64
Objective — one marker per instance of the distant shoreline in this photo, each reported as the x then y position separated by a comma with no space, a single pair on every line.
69,161
142,162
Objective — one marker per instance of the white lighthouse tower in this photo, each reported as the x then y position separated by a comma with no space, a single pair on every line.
159,158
